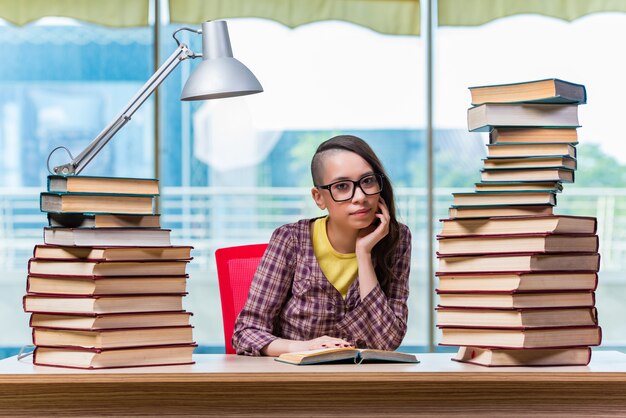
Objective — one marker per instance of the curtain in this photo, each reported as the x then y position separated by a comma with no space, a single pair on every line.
478,12
117,13
397,17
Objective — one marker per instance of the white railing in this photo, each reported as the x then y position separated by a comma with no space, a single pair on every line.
209,218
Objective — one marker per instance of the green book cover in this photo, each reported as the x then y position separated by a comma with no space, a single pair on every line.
519,187
556,167
95,184
566,91
531,157
504,205
100,203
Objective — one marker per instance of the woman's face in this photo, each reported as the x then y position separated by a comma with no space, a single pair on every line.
358,212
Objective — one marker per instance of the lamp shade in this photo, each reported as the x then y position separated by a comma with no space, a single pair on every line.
219,74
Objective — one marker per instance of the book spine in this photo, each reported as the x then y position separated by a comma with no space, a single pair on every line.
508,347
99,277
470,361
505,328
98,295
592,310
517,235
105,330
510,292
111,367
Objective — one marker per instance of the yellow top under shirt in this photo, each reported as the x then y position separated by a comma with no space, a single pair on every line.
340,269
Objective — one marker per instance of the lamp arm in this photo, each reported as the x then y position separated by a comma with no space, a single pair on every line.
80,162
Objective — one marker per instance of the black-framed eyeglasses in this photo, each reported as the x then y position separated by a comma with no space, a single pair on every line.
343,190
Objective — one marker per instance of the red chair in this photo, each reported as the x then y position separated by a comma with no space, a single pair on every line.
235,269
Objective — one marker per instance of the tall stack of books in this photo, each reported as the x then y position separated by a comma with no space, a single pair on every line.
516,281
106,288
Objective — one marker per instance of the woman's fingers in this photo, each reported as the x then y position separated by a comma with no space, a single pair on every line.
328,342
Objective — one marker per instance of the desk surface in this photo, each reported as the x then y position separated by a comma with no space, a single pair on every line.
229,385
609,365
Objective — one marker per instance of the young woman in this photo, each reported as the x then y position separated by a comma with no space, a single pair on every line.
336,281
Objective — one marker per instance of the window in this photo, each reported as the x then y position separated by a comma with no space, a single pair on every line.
529,47
236,169
75,78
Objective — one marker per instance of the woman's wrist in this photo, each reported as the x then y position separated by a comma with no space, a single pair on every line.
293,346
363,252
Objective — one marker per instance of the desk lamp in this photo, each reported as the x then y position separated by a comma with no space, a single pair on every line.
219,75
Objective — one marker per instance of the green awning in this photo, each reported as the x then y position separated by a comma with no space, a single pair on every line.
396,17
118,13
478,12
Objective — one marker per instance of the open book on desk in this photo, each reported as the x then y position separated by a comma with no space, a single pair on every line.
356,355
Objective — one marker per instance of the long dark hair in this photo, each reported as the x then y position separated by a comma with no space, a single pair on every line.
383,251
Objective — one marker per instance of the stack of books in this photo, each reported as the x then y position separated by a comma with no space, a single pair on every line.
516,281
106,288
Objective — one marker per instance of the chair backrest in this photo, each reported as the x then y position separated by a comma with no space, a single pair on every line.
235,269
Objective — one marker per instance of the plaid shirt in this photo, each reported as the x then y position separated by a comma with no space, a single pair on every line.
291,298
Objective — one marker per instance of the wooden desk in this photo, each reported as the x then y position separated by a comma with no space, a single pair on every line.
228,385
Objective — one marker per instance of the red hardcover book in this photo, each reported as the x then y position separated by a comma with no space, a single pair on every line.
105,285
109,321
85,358
519,224
511,300
535,262
518,282
516,318
107,268
71,304
517,243
112,338
533,135
111,253
535,357
521,338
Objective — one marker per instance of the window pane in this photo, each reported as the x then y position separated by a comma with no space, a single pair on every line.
61,83
236,169
523,48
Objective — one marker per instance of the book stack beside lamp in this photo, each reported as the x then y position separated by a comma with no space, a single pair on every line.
517,281
106,287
